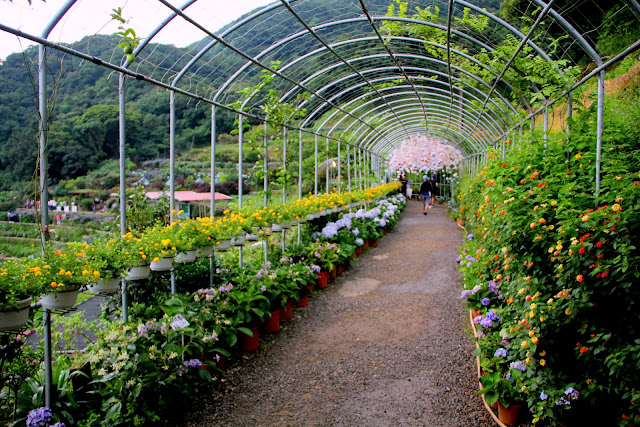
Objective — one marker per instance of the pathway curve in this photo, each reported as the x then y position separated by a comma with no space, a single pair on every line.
387,344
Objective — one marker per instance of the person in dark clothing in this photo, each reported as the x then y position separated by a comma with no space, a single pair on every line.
434,184
425,193
403,189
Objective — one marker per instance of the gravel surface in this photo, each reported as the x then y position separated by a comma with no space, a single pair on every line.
387,344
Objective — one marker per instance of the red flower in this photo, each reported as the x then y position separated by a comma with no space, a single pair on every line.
522,181
604,274
599,244
579,278
584,349
581,251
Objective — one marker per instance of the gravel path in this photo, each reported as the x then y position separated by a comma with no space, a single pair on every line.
387,344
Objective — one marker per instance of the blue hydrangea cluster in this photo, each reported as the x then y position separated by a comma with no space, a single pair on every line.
39,417
193,363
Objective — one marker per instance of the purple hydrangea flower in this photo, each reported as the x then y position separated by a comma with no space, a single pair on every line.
562,402
193,363
518,365
486,323
465,293
485,301
469,264
572,392
501,352
458,259
39,417
470,236
493,315
359,241
493,287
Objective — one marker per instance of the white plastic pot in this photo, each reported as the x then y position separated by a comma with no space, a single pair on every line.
15,319
163,264
105,286
60,300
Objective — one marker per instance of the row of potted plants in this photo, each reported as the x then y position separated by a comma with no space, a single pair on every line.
103,262
550,271
146,369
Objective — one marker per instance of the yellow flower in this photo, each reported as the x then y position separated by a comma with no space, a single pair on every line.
165,242
96,273
543,362
156,259
524,344
578,156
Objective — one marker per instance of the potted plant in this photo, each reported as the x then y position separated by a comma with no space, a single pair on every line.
64,273
17,286
108,260
136,254
505,390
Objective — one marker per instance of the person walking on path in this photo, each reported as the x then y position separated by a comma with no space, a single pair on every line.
403,189
434,185
426,190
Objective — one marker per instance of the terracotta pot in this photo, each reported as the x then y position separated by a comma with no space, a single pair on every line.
509,416
248,343
311,287
333,273
475,313
386,231
272,324
365,245
358,250
374,244
340,270
286,312
303,302
322,280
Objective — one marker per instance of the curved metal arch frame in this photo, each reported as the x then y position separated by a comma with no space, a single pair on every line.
410,114
290,93
395,87
345,21
373,110
432,102
309,117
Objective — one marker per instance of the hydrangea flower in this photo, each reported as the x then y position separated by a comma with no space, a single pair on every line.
518,365
501,352
458,259
355,231
359,241
485,301
486,322
39,417
572,393
193,363
470,236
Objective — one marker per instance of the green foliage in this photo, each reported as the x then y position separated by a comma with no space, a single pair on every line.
559,277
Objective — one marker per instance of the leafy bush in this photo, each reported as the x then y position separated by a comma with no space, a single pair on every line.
560,275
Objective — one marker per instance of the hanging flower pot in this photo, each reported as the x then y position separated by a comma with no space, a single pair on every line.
105,286
206,252
272,324
248,343
223,246
322,280
285,225
276,227
252,237
266,231
60,300
238,240
311,217
163,264
187,257
139,272
17,318
286,312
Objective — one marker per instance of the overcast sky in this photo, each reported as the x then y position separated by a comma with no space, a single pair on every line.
89,17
